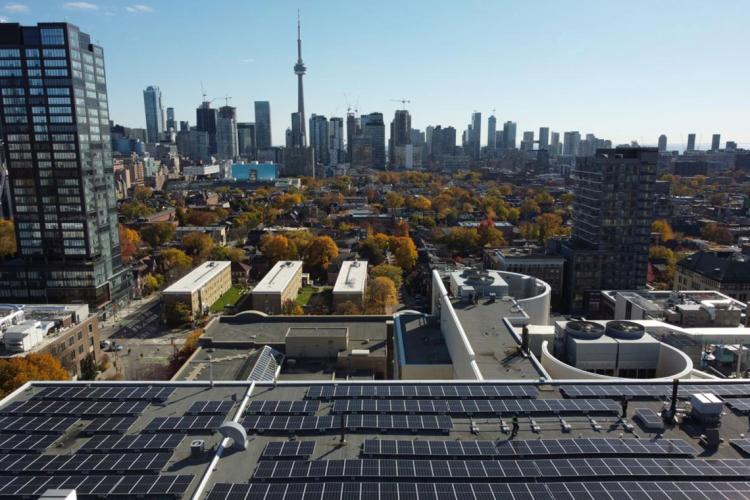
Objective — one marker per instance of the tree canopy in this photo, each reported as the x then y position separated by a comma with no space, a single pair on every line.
7,238
14,372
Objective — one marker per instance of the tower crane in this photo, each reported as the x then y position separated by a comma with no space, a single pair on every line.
403,101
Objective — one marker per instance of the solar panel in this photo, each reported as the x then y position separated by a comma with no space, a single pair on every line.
404,391
192,425
521,449
139,443
77,408
301,450
36,425
98,392
26,443
649,419
740,405
653,391
542,469
743,445
353,423
266,365
14,463
479,407
210,408
267,407
644,490
102,486
109,425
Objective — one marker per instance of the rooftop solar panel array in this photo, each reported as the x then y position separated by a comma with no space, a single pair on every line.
265,366
505,470
478,407
443,391
115,393
36,425
740,405
353,423
139,443
109,425
210,408
300,450
610,490
743,445
191,425
523,449
653,391
77,408
26,443
102,486
15,463
268,407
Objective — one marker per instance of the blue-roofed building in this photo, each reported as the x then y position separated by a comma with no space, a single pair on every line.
255,171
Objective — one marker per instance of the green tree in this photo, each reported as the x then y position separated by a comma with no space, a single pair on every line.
177,313
174,259
394,273
157,233
198,246
233,254
135,210
88,368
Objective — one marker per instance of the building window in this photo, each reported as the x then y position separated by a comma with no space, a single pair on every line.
91,328
54,36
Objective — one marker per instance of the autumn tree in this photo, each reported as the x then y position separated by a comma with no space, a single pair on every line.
381,296
133,210
550,224
202,217
151,283
198,246
321,251
404,251
129,240
394,273
716,233
394,200
14,372
177,313
489,234
401,228
233,254
662,227
462,240
186,350
291,308
7,238
370,251
348,308
142,193
419,202
530,208
175,260
157,233
276,247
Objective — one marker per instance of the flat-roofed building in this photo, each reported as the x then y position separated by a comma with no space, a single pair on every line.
280,284
351,283
203,286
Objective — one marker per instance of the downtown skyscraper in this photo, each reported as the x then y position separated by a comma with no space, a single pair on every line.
227,147
262,125
56,136
154,113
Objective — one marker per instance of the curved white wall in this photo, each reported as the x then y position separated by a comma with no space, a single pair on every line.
672,364
532,295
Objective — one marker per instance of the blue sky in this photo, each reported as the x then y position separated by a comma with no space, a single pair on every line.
622,70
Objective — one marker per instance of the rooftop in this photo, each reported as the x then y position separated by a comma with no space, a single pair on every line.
352,277
722,266
278,278
456,431
198,277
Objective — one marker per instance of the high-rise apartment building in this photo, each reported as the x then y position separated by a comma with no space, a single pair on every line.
443,142
319,138
612,214
492,133
56,135
475,135
691,142
246,140
527,143
571,143
206,117
353,129
262,125
154,113
715,142
544,138
662,143
336,151
171,123
400,132
509,135
373,128
227,147
554,144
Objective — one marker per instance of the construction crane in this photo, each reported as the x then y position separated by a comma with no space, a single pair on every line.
204,95
403,101
227,98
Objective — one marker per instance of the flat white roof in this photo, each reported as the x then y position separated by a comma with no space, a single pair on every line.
279,277
352,277
198,277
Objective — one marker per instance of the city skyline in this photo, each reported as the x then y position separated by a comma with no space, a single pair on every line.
555,77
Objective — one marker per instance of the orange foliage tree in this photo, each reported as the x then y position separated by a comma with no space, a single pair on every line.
14,372
129,240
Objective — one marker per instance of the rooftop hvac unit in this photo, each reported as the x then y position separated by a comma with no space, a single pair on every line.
625,330
584,330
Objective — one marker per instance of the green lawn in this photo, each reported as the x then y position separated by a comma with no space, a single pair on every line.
304,295
228,299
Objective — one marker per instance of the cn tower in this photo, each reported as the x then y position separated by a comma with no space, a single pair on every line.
299,70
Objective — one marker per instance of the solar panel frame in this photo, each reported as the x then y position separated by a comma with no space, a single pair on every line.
100,393
132,444
421,391
653,391
221,407
197,424
109,425
36,425
26,443
79,408
127,463
297,450
282,407
109,486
